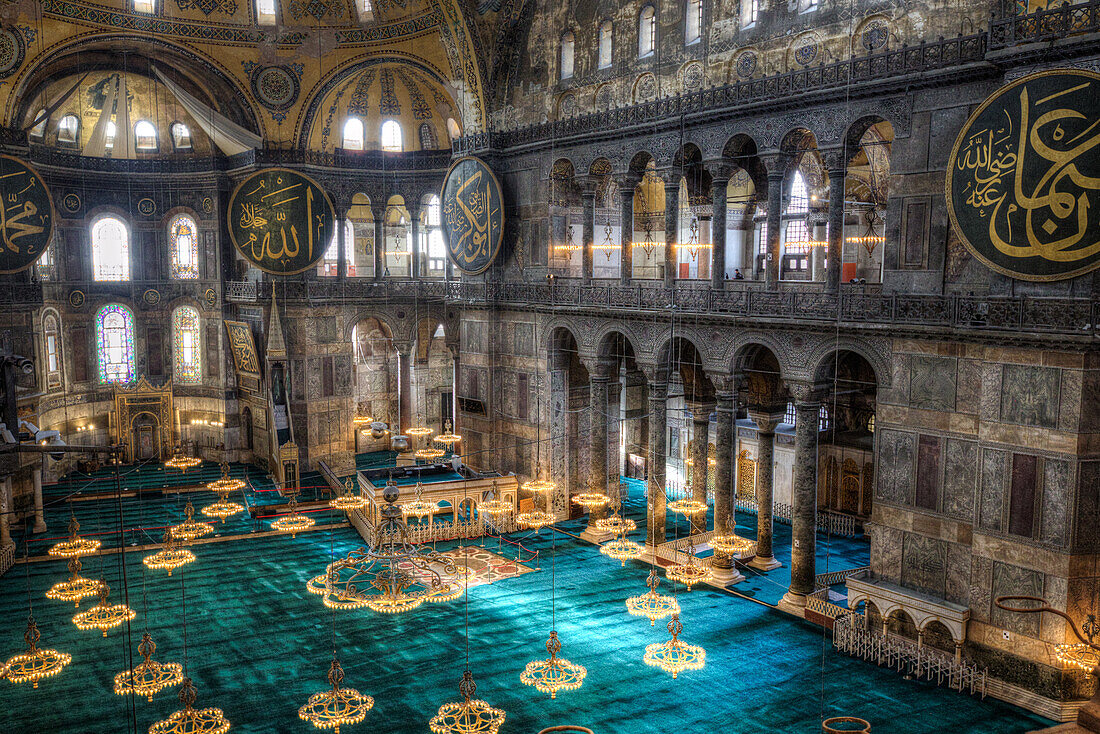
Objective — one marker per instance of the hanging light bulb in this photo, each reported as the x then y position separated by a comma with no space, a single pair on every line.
652,605
169,557
448,437
554,674
622,549
103,616
539,485
419,507
690,572
190,720
76,588
675,656
349,500
37,663
469,716
148,677
182,462
536,520
189,529
293,522
338,706
75,546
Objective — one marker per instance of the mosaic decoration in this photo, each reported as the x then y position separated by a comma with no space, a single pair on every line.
183,242
185,338
207,205
243,348
71,11
151,296
420,108
316,9
389,104
875,34
12,50
1023,179
805,51
360,97
276,87
76,298
71,203
26,220
746,64
29,34
229,7
114,335
281,221
408,27
210,298
692,77
602,101
646,88
568,105
473,215
147,207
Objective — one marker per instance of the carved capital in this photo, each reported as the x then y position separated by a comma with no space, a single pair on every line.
805,393
835,161
766,421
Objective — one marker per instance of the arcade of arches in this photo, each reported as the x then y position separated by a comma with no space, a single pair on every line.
737,301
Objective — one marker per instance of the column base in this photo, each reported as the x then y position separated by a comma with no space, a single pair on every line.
793,603
764,563
592,535
39,526
726,576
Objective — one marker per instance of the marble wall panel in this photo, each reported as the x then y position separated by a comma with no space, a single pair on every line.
960,478
957,589
890,553
969,387
991,503
1057,498
991,392
1013,580
924,564
1090,398
342,368
897,452
1052,628
932,382
898,391
524,339
1030,395
981,588
1069,410
1087,519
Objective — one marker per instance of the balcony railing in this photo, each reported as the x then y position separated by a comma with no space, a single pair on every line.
1045,25
1077,316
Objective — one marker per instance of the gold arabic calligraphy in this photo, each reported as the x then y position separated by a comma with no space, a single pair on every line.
472,214
1023,176
280,220
19,214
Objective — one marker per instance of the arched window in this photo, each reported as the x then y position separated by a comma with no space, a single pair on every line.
437,252
365,8
39,129
330,262
567,55
183,242
44,266
181,136
110,249
823,419
391,136
453,129
789,416
265,12
112,131
605,45
68,129
185,336
647,31
800,199
353,134
145,6
750,12
693,21
427,137
145,135
114,335
53,352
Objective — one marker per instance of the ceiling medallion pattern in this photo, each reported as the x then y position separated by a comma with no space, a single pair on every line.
276,87
12,50
229,7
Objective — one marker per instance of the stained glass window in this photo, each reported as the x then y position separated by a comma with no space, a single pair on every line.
110,249
183,241
114,331
185,334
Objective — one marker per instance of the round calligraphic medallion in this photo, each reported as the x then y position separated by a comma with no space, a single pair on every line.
473,215
281,221
26,219
1023,180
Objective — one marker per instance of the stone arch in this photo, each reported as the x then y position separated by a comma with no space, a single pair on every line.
645,89
820,358
603,340
392,325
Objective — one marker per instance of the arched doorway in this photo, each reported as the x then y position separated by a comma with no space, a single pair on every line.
145,435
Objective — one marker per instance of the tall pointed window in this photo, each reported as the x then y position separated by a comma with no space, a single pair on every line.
265,12
329,265
53,352
567,55
647,31
365,8
605,45
693,21
391,136
109,140
110,250
750,12
183,240
44,266
185,336
427,137
353,134
114,333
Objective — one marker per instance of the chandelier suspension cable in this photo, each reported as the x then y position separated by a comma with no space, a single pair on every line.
132,710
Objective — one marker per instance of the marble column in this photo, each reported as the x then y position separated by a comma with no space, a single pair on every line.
415,256
722,567
614,432
718,230
766,423
588,204
626,233
837,174
775,210
39,517
341,247
803,499
599,378
5,513
700,442
404,396
672,229
655,464
379,243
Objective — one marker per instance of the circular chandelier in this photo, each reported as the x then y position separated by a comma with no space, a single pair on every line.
429,454
226,484
169,557
675,656
419,507
495,508
103,616
148,677
687,506
616,524
555,674
222,509
336,707
392,574
348,501
37,663
362,420
293,522
622,549
419,429
189,529
76,588
690,572
190,720
447,438
469,716
539,485
75,546
652,605
731,545
536,520
590,500
183,463
1079,655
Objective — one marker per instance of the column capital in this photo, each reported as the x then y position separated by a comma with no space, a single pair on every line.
627,182
721,170
726,400
599,369
766,421
589,185
775,164
404,348
806,393
834,160
700,410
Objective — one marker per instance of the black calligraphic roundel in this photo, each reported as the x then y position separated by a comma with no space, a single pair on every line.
1023,180
26,218
473,215
281,221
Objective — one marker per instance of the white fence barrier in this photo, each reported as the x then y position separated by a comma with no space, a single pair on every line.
7,558
833,523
